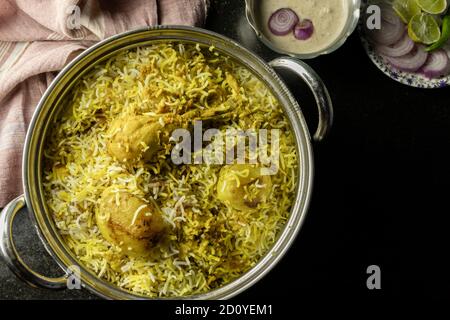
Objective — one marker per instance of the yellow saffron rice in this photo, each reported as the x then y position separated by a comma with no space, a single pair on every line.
207,244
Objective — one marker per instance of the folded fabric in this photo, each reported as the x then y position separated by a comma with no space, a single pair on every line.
37,38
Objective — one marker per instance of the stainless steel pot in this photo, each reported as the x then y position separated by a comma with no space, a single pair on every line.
50,105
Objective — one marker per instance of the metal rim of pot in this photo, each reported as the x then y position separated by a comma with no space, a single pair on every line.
49,106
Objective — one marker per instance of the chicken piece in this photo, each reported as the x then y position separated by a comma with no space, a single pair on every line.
138,137
127,221
242,187
135,138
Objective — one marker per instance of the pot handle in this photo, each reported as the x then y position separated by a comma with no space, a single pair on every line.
318,88
11,256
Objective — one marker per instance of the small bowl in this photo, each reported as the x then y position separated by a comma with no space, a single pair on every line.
352,21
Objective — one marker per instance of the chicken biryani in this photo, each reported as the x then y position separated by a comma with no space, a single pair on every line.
126,210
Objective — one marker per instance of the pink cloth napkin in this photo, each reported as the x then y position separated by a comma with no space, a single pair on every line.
37,38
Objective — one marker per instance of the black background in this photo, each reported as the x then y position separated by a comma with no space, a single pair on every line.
380,194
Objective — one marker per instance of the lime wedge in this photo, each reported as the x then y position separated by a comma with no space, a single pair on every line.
406,9
423,28
445,35
433,6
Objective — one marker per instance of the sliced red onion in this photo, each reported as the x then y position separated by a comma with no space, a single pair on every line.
304,29
388,34
401,48
437,65
388,14
282,21
391,29
446,48
411,62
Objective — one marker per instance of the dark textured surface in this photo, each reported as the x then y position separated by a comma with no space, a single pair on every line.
380,193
